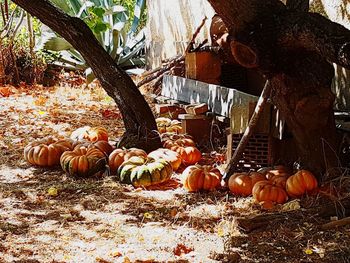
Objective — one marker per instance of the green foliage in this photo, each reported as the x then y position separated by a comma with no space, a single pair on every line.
111,24
317,7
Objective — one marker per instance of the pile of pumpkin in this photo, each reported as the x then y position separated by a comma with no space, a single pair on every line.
273,185
87,153
166,125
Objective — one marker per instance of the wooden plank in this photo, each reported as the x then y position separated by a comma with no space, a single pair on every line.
219,99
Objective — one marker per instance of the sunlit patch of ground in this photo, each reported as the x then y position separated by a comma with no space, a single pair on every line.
102,221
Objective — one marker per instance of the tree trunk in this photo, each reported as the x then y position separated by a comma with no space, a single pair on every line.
298,5
137,116
292,47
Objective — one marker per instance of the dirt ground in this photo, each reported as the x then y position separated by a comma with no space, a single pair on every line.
104,221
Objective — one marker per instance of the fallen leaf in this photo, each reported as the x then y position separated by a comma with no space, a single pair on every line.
101,260
182,249
173,212
116,254
308,251
147,215
110,114
41,101
52,191
221,232
5,91
292,205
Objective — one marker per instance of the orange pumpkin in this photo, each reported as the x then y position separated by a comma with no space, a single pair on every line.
264,191
184,142
93,134
279,180
167,125
264,170
173,136
97,134
118,156
83,162
103,146
300,183
189,155
275,170
47,151
197,177
172,157
242,183
267,205
277,173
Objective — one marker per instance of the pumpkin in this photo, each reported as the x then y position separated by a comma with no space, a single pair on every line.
275,170
180,142
172,157
80,133
168,125
264,170
83,162
118,156
97,134
279,180
91,134
267,205
198,177
103,146
242,183
266,191
47,151
162,121
175,127
300,183
140,171
173,136
189,155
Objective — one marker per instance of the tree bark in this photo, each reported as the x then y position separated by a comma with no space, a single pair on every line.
293,48
298,5
137,116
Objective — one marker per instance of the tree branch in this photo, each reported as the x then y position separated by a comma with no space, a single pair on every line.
265,94
137,115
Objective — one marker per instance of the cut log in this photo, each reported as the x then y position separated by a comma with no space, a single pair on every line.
338,223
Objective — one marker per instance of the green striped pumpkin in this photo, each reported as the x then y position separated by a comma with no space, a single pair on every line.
83,162
140,171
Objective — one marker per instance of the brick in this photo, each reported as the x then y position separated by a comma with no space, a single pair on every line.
164,108
197,109
169,110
